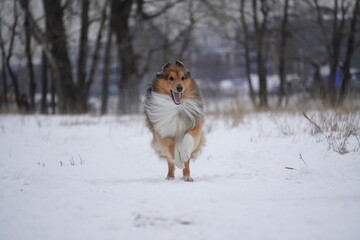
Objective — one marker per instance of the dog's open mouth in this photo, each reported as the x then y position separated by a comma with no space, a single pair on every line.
176,97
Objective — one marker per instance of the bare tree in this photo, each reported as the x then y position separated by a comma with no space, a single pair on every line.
13,76
61,66
284,34
128,83
83,48
73,95
129,71
246,44
28,53
105,80
332,40
44,85
349,53
174,36
95,56
3,68
260,29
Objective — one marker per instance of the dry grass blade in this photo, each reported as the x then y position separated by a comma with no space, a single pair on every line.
339,135
312,122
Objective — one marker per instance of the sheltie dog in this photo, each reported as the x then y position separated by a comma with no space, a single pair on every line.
174,114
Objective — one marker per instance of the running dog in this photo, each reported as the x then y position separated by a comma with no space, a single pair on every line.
174,114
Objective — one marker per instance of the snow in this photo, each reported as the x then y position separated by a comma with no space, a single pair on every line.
87,177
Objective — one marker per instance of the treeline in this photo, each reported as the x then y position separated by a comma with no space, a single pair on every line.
262,37
300,37
54,28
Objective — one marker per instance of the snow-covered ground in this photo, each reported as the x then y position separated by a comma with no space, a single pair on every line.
85,177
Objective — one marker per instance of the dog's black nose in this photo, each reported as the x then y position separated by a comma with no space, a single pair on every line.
179,88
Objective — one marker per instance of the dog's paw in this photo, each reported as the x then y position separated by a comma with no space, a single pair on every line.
186,148
187,179
170,178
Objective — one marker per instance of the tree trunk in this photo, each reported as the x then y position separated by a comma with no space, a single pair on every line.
333,44
32,84
95,57
67,91
282,52
53,93
262,80
128,83
82,56
13,76
349,53
105,82
334,56
247,52
44,80
72,97
3,70
260,58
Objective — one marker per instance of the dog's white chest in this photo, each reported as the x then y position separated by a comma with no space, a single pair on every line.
169,119
172,125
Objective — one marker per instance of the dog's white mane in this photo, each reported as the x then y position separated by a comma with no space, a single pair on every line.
169,119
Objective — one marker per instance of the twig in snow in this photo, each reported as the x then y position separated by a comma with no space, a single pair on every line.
289,168
239,164
72,162
358,142
300,156
39,163
81,160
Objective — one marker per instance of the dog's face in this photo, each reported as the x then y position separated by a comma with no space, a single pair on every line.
175,81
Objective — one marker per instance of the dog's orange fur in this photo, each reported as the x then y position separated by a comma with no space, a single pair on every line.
163,85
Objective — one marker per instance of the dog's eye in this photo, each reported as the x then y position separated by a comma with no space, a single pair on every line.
183,78
171,78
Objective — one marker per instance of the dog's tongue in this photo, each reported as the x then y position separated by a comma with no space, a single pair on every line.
176,97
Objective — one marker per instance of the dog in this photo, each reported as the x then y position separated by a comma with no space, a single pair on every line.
174,113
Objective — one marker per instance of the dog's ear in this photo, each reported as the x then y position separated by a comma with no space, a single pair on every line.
160,75
165,67
179,64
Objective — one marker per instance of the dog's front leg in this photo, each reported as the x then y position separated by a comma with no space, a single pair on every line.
170,147
183,150
171,170
189,143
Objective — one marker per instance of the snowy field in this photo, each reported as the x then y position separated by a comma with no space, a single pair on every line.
268,176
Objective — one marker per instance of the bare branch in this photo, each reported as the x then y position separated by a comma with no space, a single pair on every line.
97,45
146,16
10,54
322,25
39,35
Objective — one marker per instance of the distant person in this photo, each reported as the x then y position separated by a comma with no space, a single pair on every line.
24,102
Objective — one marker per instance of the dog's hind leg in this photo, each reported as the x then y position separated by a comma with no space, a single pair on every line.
171,170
